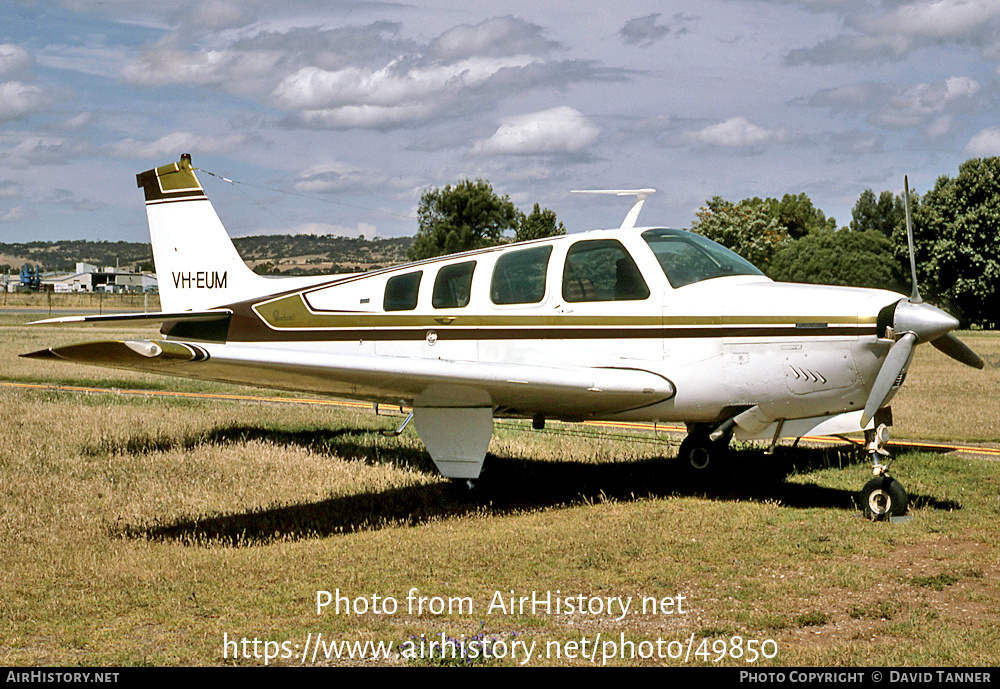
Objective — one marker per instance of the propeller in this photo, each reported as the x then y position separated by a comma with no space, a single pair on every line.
914,322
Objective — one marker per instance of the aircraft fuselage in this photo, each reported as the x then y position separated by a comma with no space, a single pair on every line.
724,344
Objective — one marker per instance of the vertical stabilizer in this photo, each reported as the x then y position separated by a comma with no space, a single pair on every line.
197,266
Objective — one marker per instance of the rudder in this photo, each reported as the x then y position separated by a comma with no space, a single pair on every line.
197,265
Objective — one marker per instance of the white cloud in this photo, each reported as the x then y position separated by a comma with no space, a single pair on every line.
736,132
13,59
857,142
944,20
850,48
366,76
216,15
889,29
78,121
394,84
404,92
235,71
984,144
932,106
928,102
18,99
558,130
365,116
42,150
495,37
174,144
852,97
337,177
15,214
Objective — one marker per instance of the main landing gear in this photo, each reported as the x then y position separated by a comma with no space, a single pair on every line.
703,451
883,497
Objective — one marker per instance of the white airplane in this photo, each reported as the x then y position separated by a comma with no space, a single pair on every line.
631,324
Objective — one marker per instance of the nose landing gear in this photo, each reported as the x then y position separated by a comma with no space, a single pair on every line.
883,497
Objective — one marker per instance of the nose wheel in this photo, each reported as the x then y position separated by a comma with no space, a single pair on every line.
883,497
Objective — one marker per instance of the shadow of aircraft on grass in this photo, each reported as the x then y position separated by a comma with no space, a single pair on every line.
510,485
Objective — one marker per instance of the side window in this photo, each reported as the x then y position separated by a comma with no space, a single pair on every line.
601,270
401,292
453,286
519,276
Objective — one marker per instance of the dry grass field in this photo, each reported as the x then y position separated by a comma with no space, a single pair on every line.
91,302
155,530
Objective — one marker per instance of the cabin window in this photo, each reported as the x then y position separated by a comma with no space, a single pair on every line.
686,257
519,276
601,270
453,286
401,292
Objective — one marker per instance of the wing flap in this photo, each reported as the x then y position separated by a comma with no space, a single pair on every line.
559,391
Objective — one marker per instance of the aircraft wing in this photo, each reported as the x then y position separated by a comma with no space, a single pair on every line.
155,317
560,391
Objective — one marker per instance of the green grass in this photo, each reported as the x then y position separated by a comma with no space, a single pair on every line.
143,530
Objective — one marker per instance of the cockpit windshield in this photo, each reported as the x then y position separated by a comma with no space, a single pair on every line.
686,257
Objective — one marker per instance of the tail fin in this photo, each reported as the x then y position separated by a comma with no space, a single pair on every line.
197,265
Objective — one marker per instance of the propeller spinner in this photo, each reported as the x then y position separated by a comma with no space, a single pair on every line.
914,322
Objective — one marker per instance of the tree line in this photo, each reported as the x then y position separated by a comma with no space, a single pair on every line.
956,235
956,228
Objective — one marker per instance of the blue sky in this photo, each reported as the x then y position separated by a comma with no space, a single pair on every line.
335,117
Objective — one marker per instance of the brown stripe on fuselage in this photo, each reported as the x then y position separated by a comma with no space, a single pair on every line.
247,324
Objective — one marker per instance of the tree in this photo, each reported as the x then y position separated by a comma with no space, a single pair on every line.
747,227
537,224
799,216
883,214
856,259
470,215
956,227
457,218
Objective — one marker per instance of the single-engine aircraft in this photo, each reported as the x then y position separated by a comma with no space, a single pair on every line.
631,324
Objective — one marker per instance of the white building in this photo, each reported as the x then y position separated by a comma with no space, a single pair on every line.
88,278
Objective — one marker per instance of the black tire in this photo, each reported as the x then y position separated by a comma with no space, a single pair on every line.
882,498
700,456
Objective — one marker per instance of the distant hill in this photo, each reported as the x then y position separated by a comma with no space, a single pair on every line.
303,254
64,255
308,254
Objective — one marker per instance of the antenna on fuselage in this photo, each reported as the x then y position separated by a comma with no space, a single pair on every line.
641,195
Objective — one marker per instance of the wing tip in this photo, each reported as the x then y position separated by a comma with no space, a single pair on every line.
40,354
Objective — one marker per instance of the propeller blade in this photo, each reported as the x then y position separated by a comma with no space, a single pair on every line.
957,350
895,362
915,296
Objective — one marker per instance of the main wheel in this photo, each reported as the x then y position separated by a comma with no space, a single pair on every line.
883,497
701,456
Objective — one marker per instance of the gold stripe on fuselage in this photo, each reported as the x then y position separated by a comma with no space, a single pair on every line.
289,317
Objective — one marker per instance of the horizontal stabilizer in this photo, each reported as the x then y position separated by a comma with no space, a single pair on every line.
135,355
157,317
